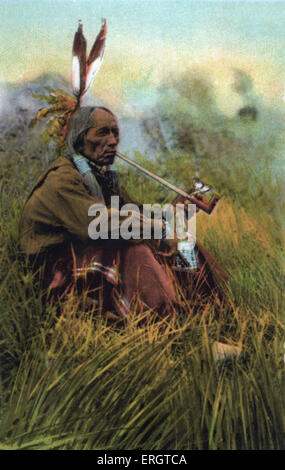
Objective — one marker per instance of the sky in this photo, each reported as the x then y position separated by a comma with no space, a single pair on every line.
148,40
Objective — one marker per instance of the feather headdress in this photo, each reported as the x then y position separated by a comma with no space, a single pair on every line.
84,71
62,105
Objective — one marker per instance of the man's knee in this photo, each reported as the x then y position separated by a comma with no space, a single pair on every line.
158,287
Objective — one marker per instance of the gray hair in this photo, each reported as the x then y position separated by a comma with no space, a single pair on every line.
80,123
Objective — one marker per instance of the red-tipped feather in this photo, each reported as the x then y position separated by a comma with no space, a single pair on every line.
96,55
79,62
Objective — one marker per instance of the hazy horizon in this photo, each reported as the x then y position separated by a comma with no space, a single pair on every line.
149,40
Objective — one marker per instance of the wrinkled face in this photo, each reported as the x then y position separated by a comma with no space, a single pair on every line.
101,141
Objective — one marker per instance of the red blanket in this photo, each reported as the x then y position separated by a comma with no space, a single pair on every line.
128,271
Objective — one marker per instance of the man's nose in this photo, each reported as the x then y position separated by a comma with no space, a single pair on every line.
113,139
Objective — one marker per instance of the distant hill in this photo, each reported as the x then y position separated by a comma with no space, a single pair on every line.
18,106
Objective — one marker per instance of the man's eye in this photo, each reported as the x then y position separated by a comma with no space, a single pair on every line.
103,132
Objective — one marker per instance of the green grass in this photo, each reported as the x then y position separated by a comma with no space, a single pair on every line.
78,381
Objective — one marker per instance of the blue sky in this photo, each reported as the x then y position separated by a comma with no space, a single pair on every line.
147,39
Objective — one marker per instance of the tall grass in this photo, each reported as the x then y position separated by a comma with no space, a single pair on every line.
77,380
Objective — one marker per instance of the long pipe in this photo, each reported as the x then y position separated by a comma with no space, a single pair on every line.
153,176
206,207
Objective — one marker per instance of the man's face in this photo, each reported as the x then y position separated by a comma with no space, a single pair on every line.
102,140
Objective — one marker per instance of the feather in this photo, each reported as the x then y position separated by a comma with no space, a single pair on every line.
96,55
79,62
76,75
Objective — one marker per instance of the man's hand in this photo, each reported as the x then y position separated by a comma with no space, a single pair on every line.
182,200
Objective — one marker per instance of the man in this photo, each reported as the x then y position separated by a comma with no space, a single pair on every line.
55,223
